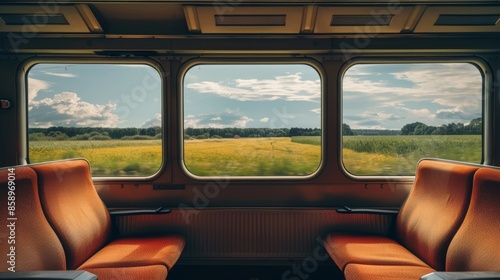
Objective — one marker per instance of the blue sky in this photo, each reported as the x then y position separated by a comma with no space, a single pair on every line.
388,96
384,96
94,95
274,96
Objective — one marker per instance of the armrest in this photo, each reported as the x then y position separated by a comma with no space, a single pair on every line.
348,210
49,275
160,210
466,275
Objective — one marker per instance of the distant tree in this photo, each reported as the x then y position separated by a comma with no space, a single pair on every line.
137,137
99,136
38,136
57,135
346,129
280,133
475,126
294,131
455,128
420,129
409,129
203,136
85,136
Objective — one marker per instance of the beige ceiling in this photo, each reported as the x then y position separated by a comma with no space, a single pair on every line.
136,19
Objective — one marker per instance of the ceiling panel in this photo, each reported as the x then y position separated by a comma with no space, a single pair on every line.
34,19
460,19
244,20
365,20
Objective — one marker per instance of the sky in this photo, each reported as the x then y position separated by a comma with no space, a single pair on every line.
380,96
262,96
388,96
94,95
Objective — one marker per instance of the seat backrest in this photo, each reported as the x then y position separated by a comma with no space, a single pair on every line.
475,246
73,208
27,241
434,209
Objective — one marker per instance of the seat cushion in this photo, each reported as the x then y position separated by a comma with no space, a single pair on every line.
137,251
383,272
475,247
435,208
36,244
376,250
151,272
73,208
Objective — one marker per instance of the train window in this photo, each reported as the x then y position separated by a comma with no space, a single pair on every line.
252,120
109,114
395,114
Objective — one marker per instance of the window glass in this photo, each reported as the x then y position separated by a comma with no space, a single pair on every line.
252,120
109,114
395,114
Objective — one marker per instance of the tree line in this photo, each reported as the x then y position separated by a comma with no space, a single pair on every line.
131,133
94,133
106,133
206,133
417,128
474,127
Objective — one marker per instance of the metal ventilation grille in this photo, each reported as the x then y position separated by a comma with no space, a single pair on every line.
21,19
361,20
246,234
467,20
244,19
250,20
463,19
42,19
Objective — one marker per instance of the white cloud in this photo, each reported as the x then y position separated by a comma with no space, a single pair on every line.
67,109
317,111
290,88
264,120
64,75
155,121
228,118
134,65
456,88
370,115
34,86
422,83
417,112
370,120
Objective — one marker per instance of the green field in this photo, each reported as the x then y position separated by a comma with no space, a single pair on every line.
107,158
251,157
282,156
398,155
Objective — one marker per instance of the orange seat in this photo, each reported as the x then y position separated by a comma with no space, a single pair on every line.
83,224
385,272
30,241
425,225
377,250
475,246
132,272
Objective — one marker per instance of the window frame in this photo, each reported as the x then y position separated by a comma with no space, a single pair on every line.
317,66
487,104
29,63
